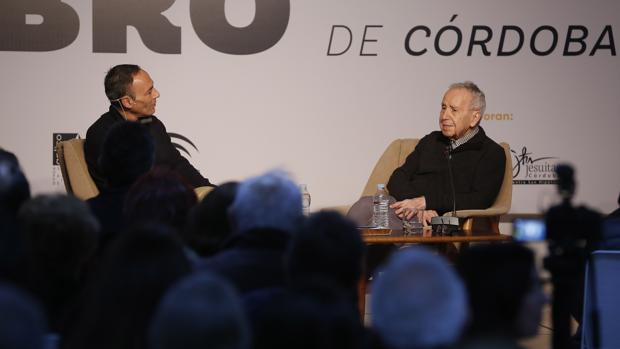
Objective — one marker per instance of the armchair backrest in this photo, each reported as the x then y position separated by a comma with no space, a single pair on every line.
74,169
504,197
393,157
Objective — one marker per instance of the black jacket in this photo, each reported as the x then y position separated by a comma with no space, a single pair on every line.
477,167
252,260
165,153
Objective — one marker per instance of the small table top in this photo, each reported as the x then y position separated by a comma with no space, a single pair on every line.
395,236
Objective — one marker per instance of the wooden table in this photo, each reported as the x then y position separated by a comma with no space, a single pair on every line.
389,236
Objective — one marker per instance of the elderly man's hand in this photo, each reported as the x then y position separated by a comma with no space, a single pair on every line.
407,208
426,215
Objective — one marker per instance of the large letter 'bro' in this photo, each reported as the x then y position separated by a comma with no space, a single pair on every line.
59,28
212,27
111,18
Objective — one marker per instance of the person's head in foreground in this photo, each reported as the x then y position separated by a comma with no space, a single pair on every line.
418,301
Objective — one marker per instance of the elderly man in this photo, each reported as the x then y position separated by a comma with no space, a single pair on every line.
264,215
133,97
423,184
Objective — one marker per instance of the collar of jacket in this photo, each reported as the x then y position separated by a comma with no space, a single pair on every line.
473,144
118,116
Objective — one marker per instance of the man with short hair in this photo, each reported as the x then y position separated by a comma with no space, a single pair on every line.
423,184
60,235
264,215
14,187
200,311
504,293
418,301
271,201
127,153
133,97
337,240
14,191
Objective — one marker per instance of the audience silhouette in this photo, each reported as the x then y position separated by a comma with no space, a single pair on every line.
146,266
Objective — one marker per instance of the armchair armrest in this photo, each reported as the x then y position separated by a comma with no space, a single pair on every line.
201,192
486,221
491,211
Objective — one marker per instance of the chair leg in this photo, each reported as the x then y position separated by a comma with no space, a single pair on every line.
361,296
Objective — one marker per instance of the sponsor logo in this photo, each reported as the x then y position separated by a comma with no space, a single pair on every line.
531,169
58,137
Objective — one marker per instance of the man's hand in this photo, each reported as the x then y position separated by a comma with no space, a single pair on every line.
426,215
406,209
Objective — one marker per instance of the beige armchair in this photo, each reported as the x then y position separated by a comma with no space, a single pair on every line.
202,192
74,169
486,220
393,157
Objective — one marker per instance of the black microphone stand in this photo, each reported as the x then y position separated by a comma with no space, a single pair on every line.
447,226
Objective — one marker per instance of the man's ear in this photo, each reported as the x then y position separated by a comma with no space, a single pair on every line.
127,102
475,120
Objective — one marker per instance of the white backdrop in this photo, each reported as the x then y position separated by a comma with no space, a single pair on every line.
327,119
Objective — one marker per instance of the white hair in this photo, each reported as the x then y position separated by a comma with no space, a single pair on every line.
271,200
418,301
478,101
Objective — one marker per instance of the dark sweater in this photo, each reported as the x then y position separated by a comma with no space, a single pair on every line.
108,209
252,260
166,154
477,167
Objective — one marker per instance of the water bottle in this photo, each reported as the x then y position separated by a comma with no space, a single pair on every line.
305,199
380,206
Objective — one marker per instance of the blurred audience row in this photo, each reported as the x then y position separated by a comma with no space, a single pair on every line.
145,265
